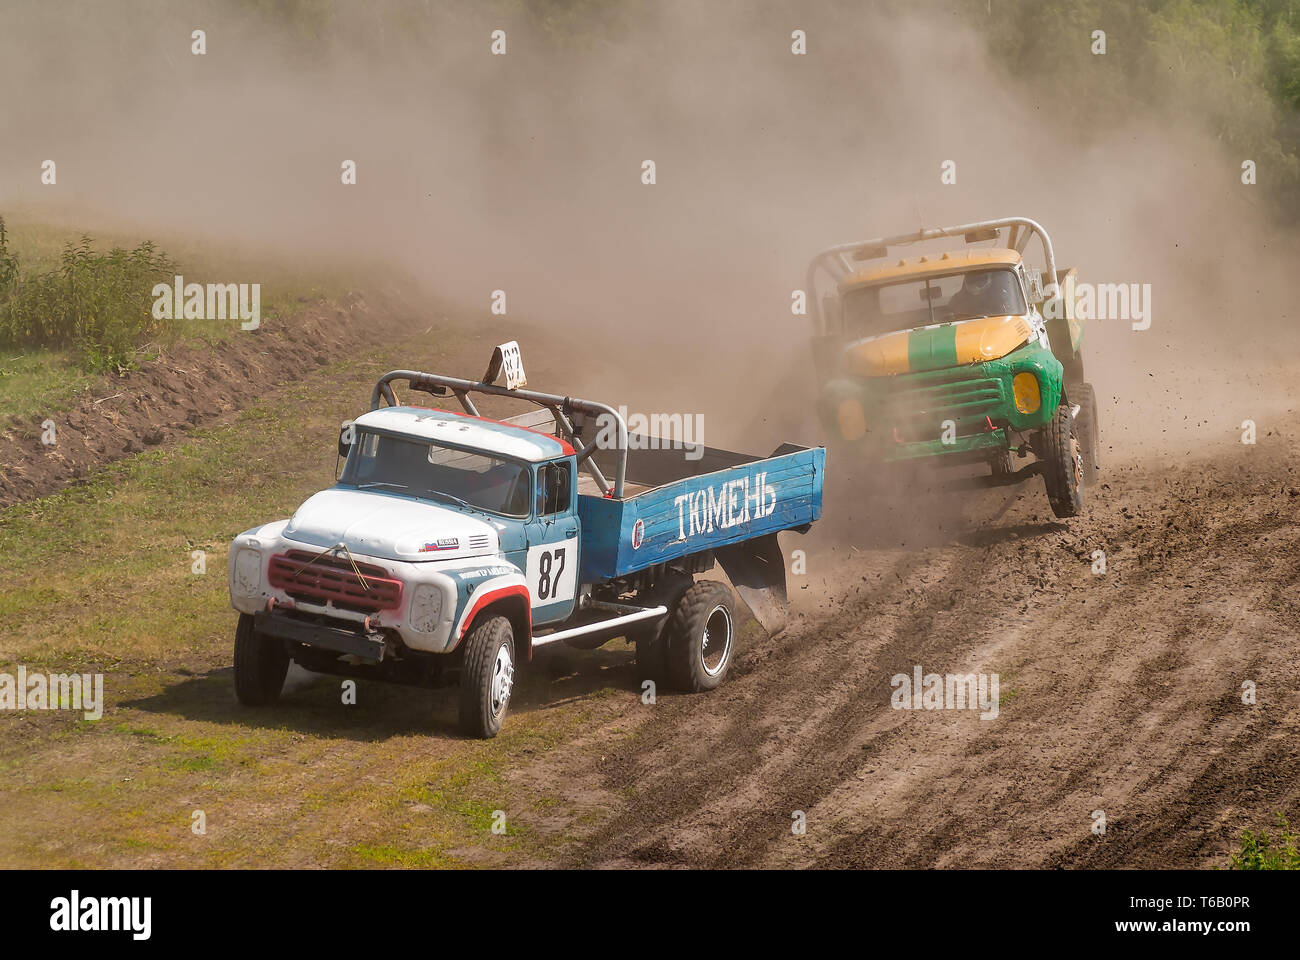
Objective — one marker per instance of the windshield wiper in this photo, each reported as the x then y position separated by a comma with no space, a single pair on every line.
381,483
448,496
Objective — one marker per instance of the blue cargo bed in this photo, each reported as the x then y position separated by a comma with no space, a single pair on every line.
693,506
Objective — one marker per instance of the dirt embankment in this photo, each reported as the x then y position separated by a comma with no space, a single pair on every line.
185,387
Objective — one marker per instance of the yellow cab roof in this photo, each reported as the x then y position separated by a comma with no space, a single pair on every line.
930,265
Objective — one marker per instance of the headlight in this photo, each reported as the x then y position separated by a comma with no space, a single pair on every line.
248,572
426,608
1025,388
852,419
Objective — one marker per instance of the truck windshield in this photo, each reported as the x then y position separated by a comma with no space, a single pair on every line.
417,468
869,311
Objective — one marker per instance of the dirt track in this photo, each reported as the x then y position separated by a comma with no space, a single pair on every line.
1120,692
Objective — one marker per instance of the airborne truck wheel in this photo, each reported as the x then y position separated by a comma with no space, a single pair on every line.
701,637
487,677
1062,464
1087,430
260,665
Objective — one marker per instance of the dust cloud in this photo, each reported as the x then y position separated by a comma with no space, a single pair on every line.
523,173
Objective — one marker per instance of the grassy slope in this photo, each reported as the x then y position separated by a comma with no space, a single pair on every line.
38,383
99,578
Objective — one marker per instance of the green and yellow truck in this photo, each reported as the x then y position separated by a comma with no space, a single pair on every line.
956,356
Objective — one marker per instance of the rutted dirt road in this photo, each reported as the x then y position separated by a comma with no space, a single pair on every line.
1120,692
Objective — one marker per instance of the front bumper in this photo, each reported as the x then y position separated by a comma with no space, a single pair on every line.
366,646
252,592
907,417
975,446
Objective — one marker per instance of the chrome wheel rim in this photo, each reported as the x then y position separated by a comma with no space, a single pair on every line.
503,679
715,645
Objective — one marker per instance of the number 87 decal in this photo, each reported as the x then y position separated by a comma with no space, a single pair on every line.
550,573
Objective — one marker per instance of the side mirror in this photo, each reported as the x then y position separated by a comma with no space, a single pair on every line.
1034,279
346,434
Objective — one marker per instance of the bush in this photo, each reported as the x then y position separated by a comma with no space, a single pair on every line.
8,265
97,304
1262,853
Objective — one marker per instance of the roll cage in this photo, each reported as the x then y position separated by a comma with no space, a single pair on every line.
569,415
837,261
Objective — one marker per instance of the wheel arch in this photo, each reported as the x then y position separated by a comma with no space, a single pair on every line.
511,602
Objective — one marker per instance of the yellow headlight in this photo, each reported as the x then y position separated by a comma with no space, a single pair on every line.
853,420
1025,388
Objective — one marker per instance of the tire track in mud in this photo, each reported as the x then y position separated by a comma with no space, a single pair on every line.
1129,725
804,751
1234,766
801,751
1078,739
754,709
1121,693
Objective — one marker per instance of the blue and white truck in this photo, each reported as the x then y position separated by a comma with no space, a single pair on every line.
452,546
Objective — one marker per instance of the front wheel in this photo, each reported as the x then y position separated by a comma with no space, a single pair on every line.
702,637
1062,464
1086,428
260,665
1001,465
487,677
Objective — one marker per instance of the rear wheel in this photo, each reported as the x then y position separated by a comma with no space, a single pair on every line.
651,654
487,677
652,642
1086,429
702,637
260,665
1062,464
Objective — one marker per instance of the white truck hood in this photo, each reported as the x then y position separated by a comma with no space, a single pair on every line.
378,524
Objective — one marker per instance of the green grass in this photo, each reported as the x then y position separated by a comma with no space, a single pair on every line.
387,855
309,782
1262,852
36,383
133,526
